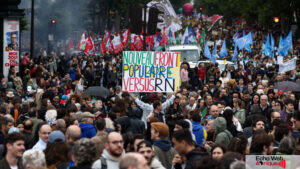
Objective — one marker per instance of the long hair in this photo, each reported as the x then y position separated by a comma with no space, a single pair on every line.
56,153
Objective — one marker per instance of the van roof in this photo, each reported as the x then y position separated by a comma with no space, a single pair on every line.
218,61
183,47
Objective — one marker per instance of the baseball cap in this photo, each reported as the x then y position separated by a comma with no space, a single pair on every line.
56,137
87,115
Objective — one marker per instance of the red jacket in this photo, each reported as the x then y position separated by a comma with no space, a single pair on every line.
202,73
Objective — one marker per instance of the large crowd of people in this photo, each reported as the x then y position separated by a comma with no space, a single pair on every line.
213,121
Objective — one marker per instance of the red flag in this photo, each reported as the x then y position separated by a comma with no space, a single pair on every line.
88,46
81,42
198,36
138,43
70,44
164,40
102,47
150,42
109,46
125,37
117,43
106,36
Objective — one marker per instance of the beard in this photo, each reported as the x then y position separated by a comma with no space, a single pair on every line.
116,153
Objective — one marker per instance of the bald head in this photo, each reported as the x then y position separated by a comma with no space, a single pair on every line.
214,111
44,132
73,133
133,160
113,135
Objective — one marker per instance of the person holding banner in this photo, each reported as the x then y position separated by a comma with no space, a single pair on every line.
156,106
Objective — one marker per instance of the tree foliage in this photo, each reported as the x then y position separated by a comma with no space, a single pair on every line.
254,11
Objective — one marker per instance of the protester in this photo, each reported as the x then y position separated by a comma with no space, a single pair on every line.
43,133
133,161
33,158
223,136
87,129
14,144
83,154
217,151
112,153
184,145
57,150
161,144
145,148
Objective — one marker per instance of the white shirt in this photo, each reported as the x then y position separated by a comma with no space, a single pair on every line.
147,108
40,145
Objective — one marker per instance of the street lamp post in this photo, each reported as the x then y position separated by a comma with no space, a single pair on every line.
32,30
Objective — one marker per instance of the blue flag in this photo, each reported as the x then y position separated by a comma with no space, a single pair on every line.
244,41
248,48
280,47
267,50
192,37
207,52
272,46
288,42
214,54
185,39
223,51
235,53
235,36
272,43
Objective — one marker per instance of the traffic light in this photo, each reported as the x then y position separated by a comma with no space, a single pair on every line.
136,23
52,26
53,21
276,20
153,20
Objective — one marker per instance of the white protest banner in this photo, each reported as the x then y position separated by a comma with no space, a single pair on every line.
287,66
145,71
11,36
279,60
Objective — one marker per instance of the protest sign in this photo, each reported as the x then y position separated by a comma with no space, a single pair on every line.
287,66
145,71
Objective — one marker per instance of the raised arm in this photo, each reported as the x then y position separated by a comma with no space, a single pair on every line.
170,101
140,103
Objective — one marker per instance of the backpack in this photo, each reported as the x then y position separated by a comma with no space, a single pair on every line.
103,163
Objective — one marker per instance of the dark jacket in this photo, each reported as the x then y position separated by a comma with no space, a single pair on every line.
265,111
136,124
193,156
1,138
29,142
81,167
4,164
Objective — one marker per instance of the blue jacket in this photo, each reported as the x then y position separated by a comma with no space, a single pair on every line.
198,132
87,130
